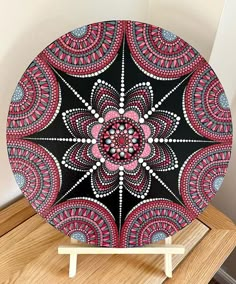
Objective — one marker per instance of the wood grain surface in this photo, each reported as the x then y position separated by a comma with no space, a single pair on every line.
28,254
14,215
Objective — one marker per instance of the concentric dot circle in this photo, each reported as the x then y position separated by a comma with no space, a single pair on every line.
85,219
86,51
217,182
20,179
158,236
35,102
79,32
205,106
223,101
168,36
37,173
121,140
202,175
159,53
79,236
18,94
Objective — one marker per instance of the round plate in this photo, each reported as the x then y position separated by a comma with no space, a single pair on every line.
119,134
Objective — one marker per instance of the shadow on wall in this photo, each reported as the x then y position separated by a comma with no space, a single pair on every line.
225,200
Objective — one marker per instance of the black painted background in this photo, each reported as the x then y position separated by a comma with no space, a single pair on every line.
132,76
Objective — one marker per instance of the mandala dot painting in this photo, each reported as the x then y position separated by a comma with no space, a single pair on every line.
119,134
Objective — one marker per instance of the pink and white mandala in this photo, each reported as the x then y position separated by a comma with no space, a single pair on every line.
90,126
116,143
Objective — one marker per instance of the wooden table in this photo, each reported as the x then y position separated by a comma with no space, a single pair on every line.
28,253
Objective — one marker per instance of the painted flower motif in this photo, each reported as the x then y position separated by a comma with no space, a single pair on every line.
120,139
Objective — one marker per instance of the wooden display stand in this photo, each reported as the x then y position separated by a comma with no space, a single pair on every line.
167,249
28,252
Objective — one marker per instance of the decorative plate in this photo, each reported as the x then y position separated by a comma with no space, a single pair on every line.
119,134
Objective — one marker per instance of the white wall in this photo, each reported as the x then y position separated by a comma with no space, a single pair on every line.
223,60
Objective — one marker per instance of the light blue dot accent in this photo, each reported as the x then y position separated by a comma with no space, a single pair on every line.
18,94
79,32
158,236
169,36
79,236
223,101
218,182
20,179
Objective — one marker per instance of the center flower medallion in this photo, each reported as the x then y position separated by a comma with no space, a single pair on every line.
121,140
119,134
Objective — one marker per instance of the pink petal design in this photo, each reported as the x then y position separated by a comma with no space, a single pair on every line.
111,167
111,114
104,98
104,181
137,181
132,114
162,124
96,151
146,130
146,151
140,99
131,166
80,122
95,130
79,157
161,158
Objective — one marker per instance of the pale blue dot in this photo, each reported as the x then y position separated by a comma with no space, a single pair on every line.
18,94
223,101
20,179
79,236
169,36
79,32
158,236
218,182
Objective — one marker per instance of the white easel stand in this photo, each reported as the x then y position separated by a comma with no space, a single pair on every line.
167,249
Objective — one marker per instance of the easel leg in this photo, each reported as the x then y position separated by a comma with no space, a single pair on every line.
73,261
168,259
168,250
73,265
